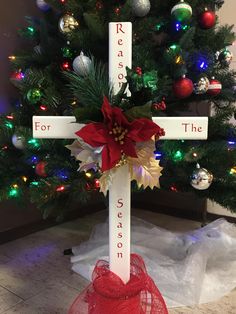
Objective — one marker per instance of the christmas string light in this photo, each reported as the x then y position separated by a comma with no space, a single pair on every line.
9,125
178,156
34,142
24,178
158,155
43,108
12,58
96,184
34,183
60,188
233,170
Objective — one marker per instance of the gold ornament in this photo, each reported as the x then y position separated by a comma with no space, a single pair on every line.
145,169
67,24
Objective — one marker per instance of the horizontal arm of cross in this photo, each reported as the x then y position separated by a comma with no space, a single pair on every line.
184,128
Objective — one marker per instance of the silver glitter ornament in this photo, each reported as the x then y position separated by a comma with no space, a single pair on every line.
18,141
201,86
42,5
67,24
201,179
141,8
82,64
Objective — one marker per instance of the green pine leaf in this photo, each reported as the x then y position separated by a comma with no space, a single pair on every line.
140,112
95,25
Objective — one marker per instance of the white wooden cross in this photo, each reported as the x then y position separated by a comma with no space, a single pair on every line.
186,128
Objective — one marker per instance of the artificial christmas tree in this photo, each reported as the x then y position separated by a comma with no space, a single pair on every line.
168,43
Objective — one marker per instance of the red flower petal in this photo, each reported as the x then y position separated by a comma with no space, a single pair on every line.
107,111
111,155
129,148
94,134
113,115
142,130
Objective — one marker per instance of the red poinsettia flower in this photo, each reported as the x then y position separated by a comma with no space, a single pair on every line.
117,135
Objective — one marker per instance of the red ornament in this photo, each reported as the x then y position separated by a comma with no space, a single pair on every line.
215,87
183,87
207,19
40,169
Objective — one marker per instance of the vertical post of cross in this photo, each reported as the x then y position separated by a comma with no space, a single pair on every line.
120,57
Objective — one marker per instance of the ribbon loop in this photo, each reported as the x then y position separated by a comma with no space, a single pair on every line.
108,294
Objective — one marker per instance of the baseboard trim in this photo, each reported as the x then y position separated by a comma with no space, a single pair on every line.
22,231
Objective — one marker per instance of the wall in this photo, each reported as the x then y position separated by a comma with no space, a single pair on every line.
12,14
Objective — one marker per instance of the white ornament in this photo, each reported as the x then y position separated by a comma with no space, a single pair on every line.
141,7
82,64
42,5
18,141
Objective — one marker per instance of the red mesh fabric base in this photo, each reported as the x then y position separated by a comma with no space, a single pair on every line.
107,294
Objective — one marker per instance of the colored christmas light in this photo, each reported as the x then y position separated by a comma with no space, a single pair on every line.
34,142
14,191
24,178
34,159
233,170
96,184
202,64
34,183
181,27
158,155
43,108
88,174
62,174
9,125
173,188
31,30
178,156
66,66
12,58
60,188
17,76
173,47
178,27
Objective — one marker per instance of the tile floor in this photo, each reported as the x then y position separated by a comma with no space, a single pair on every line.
35,277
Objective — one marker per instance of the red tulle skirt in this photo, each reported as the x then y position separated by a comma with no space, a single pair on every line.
108,294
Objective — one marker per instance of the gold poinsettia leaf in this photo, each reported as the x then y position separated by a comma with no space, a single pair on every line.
145,169
106,181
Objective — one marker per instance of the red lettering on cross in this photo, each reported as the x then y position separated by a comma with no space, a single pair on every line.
119,28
